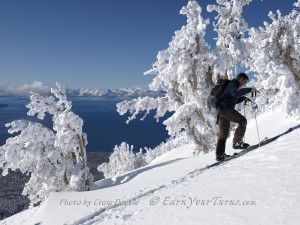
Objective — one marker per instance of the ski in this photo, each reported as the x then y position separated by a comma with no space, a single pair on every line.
241,153
250,148
253,147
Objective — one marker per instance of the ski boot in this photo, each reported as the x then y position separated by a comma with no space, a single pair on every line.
240,145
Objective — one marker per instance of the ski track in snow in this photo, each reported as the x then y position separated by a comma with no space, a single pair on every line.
98,217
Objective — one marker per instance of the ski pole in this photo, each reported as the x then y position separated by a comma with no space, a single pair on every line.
254,107
245,104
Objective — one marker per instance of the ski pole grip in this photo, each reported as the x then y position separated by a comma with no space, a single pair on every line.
252,94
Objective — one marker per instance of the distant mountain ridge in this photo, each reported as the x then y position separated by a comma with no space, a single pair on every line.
118,93
121,93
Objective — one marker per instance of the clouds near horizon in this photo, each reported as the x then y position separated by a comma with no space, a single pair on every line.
25,89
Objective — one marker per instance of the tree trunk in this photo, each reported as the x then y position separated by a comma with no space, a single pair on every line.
84,158
65,178
194,81
288,61
198,142
208,78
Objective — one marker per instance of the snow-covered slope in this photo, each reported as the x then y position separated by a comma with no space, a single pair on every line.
261,187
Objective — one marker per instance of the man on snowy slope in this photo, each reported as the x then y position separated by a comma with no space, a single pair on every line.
232,95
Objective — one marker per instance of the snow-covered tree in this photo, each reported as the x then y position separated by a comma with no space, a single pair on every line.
275,56
120,161
123,159
182,70
168,145
231,46
54,159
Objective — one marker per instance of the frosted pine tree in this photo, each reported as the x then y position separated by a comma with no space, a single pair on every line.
275,57
54,159
231,46
32,152
120,161
182,70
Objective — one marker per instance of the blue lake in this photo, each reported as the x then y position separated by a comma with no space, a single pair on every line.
104,127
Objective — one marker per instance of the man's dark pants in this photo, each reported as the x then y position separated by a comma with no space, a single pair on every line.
225,117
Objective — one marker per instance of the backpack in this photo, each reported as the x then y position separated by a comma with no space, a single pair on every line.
213,100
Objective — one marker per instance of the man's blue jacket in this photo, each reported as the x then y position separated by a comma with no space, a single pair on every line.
233,95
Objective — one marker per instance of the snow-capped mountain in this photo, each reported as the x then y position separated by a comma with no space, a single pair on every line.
261,187
116,93
121,93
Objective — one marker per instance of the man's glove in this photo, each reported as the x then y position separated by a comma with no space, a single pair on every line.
247,100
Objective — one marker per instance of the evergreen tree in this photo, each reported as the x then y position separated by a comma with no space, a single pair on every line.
54,159
120,161
275,56
231,46
182,70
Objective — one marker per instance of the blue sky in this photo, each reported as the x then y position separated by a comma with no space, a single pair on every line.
95,43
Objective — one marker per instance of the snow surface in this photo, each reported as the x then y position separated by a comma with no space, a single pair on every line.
261,187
